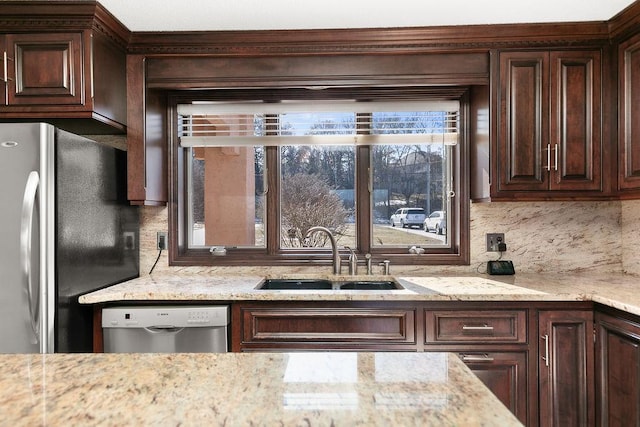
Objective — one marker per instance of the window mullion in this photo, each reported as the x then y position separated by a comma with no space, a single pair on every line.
363,196
273,200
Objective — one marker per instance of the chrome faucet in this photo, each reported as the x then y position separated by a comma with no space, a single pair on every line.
334,246
353,261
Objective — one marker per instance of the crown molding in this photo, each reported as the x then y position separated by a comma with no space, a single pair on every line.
625,23
350,41
73,15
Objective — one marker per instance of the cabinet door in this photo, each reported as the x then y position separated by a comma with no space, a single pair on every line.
505,374
575,140
618,352
566,368
629,117
45,69
522,122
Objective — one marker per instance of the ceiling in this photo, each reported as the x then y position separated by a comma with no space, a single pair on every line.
211,15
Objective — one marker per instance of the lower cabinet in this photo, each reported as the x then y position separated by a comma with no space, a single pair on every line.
324,326
618,369
493,342
498,341
566,366
505,374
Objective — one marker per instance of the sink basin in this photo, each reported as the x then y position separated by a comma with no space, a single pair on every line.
323,284
378,285
292,284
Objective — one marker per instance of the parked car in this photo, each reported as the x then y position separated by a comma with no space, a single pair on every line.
436,222
408,217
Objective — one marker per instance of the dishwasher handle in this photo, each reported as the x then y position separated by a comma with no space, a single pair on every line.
162,329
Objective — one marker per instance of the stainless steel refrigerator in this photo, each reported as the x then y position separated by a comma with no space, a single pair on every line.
66,229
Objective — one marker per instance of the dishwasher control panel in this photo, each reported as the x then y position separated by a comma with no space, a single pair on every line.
165,316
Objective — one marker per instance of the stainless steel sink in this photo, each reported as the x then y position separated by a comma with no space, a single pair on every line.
323,284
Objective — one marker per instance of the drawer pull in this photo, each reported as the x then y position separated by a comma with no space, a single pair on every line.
476,358
484,327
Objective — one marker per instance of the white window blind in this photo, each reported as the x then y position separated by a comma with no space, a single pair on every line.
222,124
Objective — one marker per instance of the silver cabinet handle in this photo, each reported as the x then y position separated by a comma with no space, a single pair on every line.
476,358
484,327
546,349
555,154
5,63
26,231
548,150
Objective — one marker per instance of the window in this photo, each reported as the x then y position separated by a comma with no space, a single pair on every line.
254,176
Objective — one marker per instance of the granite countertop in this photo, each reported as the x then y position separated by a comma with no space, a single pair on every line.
618,291
261,389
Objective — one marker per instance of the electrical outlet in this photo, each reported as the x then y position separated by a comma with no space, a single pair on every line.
493,240
161,240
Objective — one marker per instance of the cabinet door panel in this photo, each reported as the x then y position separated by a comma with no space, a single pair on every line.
575,121
505,374
629,107
619,372
523,124
324,326
47,69
566,367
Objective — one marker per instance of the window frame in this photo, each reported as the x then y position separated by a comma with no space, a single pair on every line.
457,253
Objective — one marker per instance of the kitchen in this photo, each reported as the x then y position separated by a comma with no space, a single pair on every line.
562,237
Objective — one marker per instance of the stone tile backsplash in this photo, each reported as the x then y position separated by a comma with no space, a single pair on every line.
540,237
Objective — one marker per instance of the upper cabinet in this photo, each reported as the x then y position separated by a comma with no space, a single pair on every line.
43,69
67,68
548,142
629,112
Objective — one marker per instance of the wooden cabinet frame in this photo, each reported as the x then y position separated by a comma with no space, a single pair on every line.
548,142
617,368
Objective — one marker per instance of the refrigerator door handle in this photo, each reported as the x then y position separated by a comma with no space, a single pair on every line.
26,231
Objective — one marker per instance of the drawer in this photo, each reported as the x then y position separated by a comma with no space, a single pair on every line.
495,326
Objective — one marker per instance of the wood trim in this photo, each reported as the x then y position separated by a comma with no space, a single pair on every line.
35,16
369,40
625,23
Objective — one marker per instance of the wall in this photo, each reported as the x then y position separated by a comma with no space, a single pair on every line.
630,232
540,236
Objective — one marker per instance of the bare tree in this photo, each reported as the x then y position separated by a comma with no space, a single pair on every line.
307,201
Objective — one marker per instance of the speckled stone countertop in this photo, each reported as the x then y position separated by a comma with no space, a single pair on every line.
257,389
618,291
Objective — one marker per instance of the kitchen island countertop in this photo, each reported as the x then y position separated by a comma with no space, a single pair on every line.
261,389
615,290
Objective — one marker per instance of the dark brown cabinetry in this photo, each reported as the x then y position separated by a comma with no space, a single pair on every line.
327,327
566,366
68,69
43,69
548,143
494,344
618,369
629,115
505,374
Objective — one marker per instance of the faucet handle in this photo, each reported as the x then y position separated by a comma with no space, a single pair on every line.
353,261
386,264
367,257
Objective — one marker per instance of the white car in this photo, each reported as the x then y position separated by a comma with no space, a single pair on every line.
436,222
408,217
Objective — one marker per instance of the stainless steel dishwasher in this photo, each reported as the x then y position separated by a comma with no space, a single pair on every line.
165,329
